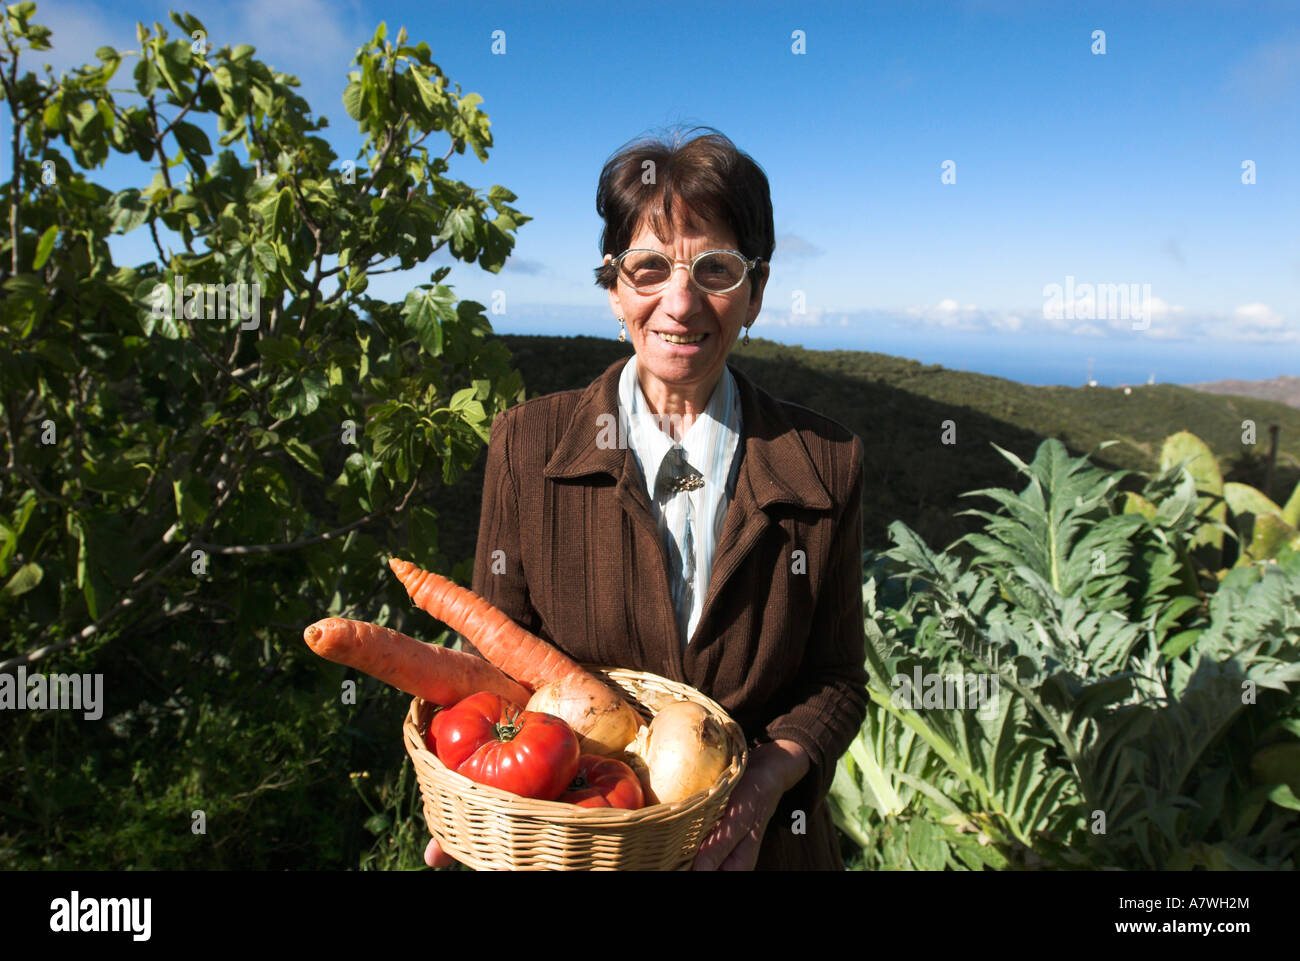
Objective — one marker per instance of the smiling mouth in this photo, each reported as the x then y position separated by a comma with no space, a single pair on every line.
679,339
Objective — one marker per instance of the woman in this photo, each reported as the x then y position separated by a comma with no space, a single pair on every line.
672,517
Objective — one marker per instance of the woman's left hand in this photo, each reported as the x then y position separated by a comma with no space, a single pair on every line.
772,770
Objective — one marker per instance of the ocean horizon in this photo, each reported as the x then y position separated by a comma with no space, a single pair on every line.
1028,358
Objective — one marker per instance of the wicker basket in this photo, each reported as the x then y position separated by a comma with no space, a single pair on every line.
490,829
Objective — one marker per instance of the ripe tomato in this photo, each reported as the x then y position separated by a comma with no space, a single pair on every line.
604,782
490,740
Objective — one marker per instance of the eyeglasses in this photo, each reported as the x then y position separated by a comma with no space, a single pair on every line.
713,271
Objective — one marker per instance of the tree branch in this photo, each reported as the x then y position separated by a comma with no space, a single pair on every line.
215,361
157,245
142,582
147,496
234,348
186,109
15,183
126,600
28,476
164,163
390,140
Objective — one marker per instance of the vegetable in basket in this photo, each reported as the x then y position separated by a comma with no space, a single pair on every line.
682,752
597,712
437,674
489,740
604,782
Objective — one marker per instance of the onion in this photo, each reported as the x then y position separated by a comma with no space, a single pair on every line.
684,752
604,722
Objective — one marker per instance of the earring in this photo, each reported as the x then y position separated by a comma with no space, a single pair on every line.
622,332
745,342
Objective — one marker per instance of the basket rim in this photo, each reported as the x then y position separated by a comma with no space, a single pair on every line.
543,810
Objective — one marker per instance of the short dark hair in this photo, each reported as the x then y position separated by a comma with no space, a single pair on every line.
706,174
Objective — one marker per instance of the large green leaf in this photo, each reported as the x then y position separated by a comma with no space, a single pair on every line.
424,312
1269,534
23,580
1187,449
1291,509
304,455
128,210
192,500
45,247
191,138
352,100
1244,499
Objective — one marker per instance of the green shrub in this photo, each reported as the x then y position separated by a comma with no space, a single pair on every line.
187,490
1103,749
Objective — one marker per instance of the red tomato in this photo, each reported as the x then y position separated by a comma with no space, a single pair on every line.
490,740
603,782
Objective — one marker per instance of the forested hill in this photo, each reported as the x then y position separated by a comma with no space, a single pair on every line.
898,407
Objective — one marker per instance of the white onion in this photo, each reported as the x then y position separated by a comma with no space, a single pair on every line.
604,722
684,752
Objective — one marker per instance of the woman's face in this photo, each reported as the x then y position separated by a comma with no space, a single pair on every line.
681,308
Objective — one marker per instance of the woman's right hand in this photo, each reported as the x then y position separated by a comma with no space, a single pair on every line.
436,857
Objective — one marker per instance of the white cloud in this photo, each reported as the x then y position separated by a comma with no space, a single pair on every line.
314,40
1259,322
309,38
813,317
949,315
77,31
1257,316
1122,308
1166,321
1159,308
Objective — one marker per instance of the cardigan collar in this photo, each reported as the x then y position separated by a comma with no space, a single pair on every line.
777,465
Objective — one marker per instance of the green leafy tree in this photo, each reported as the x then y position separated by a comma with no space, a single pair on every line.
208,451
157,454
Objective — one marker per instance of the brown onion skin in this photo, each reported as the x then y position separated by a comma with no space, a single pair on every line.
604,722
686,751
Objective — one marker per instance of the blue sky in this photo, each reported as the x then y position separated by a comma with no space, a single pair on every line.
1122,167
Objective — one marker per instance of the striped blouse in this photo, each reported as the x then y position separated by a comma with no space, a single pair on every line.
710,446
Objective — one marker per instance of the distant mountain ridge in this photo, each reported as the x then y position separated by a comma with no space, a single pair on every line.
1284,390
929,432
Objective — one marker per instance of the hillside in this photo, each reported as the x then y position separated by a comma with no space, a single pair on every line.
1283,390
898,407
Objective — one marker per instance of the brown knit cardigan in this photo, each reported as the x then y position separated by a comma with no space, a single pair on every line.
578,560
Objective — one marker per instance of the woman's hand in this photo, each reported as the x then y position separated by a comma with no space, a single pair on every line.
436,857
772,770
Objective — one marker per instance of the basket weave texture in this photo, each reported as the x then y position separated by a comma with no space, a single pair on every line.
490,829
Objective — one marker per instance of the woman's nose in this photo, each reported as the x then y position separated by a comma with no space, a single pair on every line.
680,290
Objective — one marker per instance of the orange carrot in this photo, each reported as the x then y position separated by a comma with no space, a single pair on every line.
525,657
437,674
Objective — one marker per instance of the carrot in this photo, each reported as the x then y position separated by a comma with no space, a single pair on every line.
437,674
525,657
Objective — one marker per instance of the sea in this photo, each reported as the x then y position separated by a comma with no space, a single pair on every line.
1029,358
1070,360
